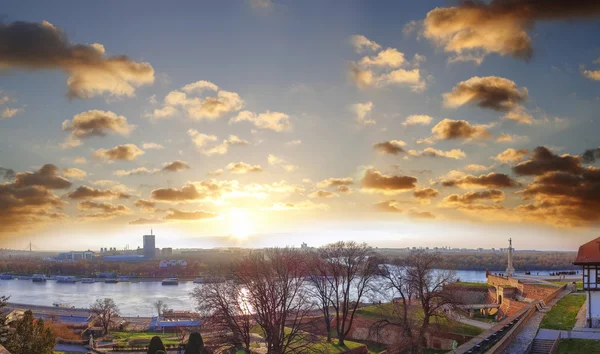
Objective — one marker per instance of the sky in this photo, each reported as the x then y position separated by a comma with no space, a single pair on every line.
271,123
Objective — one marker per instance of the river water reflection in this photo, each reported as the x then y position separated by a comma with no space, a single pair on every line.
135,298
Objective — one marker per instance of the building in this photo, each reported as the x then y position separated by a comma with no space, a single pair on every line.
149,246
75,256
588,257
167,252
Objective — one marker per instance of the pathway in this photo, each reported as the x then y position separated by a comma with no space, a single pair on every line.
480,324
529,331
553,334
581,317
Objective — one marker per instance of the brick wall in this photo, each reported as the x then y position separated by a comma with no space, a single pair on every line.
536,292
497,280
510,307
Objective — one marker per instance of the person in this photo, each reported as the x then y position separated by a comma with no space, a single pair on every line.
195,344
156,346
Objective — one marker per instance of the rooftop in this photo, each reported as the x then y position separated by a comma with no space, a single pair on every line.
589,253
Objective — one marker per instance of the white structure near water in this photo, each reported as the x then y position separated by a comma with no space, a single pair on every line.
510,270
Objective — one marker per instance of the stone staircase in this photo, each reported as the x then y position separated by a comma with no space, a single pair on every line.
542,346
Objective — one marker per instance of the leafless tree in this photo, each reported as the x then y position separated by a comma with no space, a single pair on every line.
225,308
160,307
276,296
180,333
350,269
320,288
105,310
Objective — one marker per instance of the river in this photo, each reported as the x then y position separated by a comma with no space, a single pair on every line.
136,298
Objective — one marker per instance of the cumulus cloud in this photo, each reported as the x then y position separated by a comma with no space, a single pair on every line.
456,154
47,176
107,209
200,139
275,121
42,46
10,112
219,149
543,160
126,152
361,110
511,155
342,185
362,78
322,194
74,173
498,26
449,129
135,172
152,146
175,214
147,205
591,155
7,173
243,168
186,193
491,180
375,181
425,194
492,195
85,192
476,167
415,119
393,147
191,100
487,92
592,74
97,123
175,166
519,115
389,57
361,43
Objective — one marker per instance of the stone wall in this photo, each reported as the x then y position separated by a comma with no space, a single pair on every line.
510,307
496,280
536,292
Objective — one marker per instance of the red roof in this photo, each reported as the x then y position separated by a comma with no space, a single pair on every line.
588,253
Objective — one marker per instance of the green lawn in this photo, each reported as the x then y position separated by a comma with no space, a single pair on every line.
389,311
472,284
578,284
578,346
125,337
563,315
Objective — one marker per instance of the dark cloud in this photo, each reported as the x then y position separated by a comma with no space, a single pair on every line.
42,46
374,180
449,129
589,156
425,193
175,214
491,180
145,204
336,182
126,152
97,123
393,147
85,192
543,160
103,206
47,176
7,173
176,166
492,92
493,195
187,192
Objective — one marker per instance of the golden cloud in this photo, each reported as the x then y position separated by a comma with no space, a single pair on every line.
126,152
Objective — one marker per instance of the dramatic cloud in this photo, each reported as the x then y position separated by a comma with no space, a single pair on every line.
393,147
322,194
198,106
74,173
335,182
491,180
375,181
145,204
493,195
7,173
136,172
47,176
275,121
591,155
417,119
42,46
449,129
519,115
175,166
175,214
456,154
107,209
511,155
186,193
127,152
543,160
361,43
97,123
243,168
499,26
361,110
85,192
487,92
425,194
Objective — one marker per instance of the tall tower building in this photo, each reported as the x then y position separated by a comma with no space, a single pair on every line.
149,246
510,270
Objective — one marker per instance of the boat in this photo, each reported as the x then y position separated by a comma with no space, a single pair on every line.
39,278
87,280
111,281
123,278
170,281
66,279
7,276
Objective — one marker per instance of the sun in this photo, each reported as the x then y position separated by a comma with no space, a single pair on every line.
240,223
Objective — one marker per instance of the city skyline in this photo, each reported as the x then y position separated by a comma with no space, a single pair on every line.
267,123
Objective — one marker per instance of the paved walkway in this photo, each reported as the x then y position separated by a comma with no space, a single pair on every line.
580,319
528,333
480,324
553,334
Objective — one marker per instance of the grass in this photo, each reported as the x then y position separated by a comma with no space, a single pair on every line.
578,284
373,347
578,346
125,337
387,310
472,284
563,315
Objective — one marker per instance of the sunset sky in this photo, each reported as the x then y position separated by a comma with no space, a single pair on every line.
259,123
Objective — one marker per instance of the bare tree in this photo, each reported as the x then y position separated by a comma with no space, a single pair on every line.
351,268
160,307
320,287
225,308
276,296
105,310
180,333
